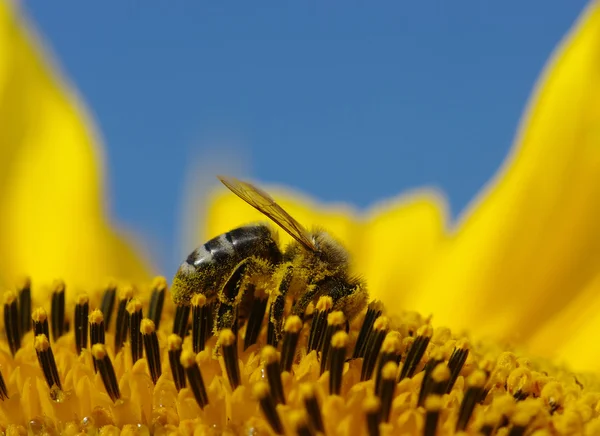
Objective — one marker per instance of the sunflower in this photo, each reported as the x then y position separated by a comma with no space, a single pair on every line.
516,280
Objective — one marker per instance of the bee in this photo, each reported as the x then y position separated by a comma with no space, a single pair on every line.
234,267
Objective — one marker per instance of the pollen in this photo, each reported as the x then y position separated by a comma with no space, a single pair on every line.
130,361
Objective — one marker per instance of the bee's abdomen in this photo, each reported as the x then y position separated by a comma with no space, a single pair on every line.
236,245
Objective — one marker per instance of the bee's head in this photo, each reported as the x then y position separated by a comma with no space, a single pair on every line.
330,250
185,284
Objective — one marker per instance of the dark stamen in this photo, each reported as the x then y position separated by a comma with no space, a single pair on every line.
25,306
174,343
319,323
228,343
194,377
107,371
82,308
157,300
375,309
553,396
122,318
335,322
134,309
416,351
108,303
389,373
486,430
201,328
267,405
390,351
152,349
456,362
475,383
57,312
439,380
11,321
313,411
97,332
180,323
3,390
372,409
291,334
521,420
487,366
271,363
491,420
96,320
497,379
517,430
46,361
519,383
339,345
374,341
257,314
436,358
40,322
300,424
433,405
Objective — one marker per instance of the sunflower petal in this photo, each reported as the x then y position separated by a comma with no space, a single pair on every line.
399,241
571,336
533,240
52,224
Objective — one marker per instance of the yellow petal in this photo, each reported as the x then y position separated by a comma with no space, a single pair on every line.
571,336
391,246
52,223
400,238
533,240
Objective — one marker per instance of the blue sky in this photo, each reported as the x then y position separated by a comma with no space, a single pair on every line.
346,101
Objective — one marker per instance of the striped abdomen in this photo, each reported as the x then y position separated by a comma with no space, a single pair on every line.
206,268
237,245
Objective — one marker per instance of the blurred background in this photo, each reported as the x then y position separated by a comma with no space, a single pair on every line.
347,102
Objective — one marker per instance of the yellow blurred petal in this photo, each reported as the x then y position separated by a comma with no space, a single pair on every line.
571,336
399,240
52,223
532,241
391,247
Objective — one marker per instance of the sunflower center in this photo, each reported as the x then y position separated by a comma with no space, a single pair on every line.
155,367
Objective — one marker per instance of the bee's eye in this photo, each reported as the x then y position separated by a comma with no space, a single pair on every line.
191,258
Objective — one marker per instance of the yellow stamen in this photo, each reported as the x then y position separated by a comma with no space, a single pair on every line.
417,384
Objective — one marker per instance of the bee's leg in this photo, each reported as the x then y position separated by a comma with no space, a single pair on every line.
350,296
311,294
243,298
276,311
226,311
253,304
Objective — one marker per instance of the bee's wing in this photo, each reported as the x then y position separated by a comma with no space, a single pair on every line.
265,204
